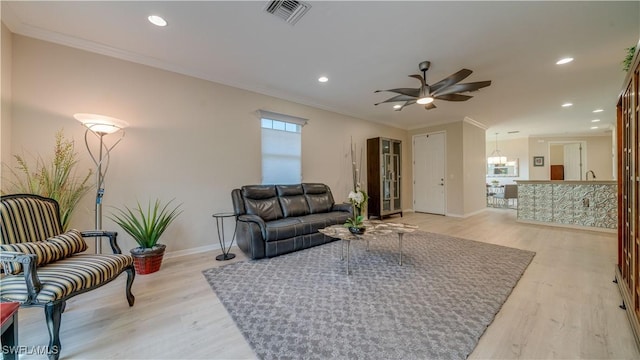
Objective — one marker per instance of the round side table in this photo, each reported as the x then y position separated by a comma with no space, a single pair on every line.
226,255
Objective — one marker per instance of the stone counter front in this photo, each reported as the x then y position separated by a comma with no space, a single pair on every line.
588,204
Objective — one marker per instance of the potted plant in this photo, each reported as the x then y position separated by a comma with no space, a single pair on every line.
357,197
54,179
146,227
355,224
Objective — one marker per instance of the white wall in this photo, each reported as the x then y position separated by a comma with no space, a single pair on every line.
474,168
465,164
189,139
5,101
599,155
512,148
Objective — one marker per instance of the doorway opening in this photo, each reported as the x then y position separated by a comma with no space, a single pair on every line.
570,157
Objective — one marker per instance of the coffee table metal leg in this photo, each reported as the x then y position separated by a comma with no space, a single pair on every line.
400,241
348,255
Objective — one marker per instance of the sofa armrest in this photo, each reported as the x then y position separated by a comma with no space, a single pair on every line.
255,219
112,235
250,235
31,279
346,207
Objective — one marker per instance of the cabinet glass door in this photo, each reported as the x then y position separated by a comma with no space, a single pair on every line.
386,175
395,184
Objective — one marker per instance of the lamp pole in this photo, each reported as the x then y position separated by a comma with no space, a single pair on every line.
99,189
99,126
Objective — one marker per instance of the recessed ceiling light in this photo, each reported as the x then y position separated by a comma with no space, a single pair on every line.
567,104
594,127
564,61
598,110
397,106
157,20
595,120
323,79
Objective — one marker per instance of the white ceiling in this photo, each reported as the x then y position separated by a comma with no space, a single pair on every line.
367,45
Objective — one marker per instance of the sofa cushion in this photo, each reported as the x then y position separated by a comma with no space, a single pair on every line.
45,253
259,191
268,209
262,200
319,203
294,205
289,190
283,229
318,197
70,242
310,188
48,251
312,223
60,279
28,219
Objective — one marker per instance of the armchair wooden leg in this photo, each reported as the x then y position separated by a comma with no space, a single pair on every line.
131,274
53,315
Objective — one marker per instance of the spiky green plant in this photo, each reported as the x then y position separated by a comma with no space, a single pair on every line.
626,63
146,227
56,180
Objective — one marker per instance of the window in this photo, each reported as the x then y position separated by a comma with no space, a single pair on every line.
281,148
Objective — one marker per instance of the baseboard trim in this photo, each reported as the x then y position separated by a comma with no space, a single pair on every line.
192,251
569,226
464,216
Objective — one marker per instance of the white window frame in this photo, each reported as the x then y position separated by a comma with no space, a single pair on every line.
266,116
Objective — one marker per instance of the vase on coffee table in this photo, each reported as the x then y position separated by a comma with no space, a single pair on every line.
357,230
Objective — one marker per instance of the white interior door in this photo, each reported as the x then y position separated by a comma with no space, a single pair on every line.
573,161
429,173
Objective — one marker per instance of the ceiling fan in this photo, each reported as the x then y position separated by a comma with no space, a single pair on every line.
446,89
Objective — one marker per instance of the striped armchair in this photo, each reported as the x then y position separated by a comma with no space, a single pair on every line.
43,266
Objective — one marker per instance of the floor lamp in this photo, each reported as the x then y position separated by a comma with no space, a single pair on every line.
100,126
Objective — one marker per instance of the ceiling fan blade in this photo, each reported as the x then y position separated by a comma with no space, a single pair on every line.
397,98
430,106
451,80
453,97
405,104
404,91
457,88
419,77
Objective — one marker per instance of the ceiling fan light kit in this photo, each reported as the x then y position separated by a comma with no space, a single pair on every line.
425,100
447,89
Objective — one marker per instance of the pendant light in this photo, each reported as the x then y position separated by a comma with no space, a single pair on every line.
496,157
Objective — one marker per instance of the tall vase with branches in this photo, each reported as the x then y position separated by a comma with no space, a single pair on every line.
55,179
357,196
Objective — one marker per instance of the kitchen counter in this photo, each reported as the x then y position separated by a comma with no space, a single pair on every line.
569,182
591,205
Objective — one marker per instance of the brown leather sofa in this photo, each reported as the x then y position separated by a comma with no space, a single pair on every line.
277,219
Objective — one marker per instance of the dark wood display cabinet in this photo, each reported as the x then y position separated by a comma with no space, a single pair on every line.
384,175
628,139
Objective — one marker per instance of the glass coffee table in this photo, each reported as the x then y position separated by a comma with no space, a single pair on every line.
375,229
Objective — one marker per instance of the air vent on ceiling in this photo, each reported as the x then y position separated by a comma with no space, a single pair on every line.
288,10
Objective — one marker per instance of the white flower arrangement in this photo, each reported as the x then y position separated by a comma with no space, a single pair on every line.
357,197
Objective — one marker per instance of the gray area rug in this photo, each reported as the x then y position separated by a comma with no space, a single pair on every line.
435,306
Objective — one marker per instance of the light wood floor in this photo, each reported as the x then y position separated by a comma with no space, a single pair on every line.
564,307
